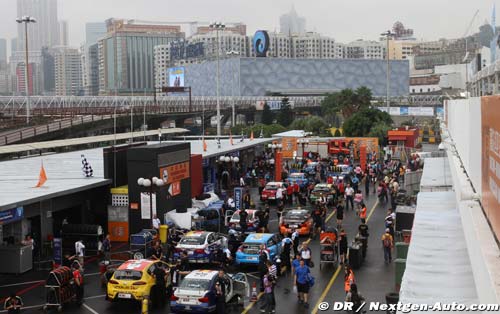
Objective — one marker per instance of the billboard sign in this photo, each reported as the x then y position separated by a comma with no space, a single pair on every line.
261,43
490,171
176,77
238,198
11,215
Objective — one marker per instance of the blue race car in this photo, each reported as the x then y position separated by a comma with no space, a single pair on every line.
299,177
248,252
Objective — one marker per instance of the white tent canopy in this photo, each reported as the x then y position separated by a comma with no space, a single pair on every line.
438,268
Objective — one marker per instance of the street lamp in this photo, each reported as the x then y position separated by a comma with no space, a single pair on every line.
26,19
150,184
388,35
233,117
218,26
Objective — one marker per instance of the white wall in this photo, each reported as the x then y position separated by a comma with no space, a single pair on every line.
464,125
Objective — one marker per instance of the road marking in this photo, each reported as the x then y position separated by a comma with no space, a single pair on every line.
331,215
334,277
22,283
328,287
253,276
91,310
95,297
249,306
91,274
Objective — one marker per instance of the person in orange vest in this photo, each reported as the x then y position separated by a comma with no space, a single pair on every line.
362,213
348,278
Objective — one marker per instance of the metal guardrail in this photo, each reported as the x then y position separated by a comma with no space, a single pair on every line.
10,137
98,105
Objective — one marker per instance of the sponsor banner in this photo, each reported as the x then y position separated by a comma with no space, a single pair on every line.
403,111
238,198
57,249
208,188
146,205
289,145
394,111
11,215
175,172
440,112
491,160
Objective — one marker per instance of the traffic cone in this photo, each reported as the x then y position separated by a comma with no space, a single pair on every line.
254,292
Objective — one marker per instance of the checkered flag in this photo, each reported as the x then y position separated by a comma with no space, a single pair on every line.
86,168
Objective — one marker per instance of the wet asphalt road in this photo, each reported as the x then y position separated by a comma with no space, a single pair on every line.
374,279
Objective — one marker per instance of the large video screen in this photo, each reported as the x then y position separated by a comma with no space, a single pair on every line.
176,77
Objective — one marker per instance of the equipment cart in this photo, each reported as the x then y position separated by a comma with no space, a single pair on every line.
59,289
329,249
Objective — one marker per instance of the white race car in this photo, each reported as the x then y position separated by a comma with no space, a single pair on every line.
195,293
200,245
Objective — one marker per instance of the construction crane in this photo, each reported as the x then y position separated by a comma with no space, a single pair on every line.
467,31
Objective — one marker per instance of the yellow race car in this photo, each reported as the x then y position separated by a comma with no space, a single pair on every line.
134,280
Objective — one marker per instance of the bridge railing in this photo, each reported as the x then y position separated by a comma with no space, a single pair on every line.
50,105
19,135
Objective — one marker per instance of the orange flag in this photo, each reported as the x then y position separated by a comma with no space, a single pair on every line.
42,178
251,135
204,145
231,138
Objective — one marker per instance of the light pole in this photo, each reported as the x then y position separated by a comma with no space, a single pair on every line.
26,19
218,26
388,36
150,184
233,117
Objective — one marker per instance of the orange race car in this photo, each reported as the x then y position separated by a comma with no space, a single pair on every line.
299,219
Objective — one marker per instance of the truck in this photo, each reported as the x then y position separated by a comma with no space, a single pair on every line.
339,148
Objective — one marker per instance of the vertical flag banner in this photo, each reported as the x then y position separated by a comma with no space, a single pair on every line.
42,178
251,135
86,168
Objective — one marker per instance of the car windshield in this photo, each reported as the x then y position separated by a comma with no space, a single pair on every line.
251,248
296,176
295,216
128,275
321,189
192,241
271,187
195,284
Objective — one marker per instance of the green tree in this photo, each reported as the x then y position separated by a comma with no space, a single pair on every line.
380,130
285,116
346,102
267,115
362,123
316,125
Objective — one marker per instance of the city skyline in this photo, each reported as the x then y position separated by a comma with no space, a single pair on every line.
346,22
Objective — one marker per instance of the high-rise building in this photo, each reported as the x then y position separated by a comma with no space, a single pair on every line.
94,31
63,33
279,46
314,46
3,50
292,24
43,33
365,49
90,70
90,57
68,76
34,86
13,45
228,42
162,63
126,55
48,70
16,62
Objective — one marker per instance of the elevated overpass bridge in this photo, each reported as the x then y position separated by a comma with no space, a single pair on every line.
105,105
69,114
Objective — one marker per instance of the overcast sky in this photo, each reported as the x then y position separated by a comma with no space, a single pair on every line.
345,20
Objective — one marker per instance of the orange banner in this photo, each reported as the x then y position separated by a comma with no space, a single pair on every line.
175,172
371,144
118,231
362,157
289,146
490,171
